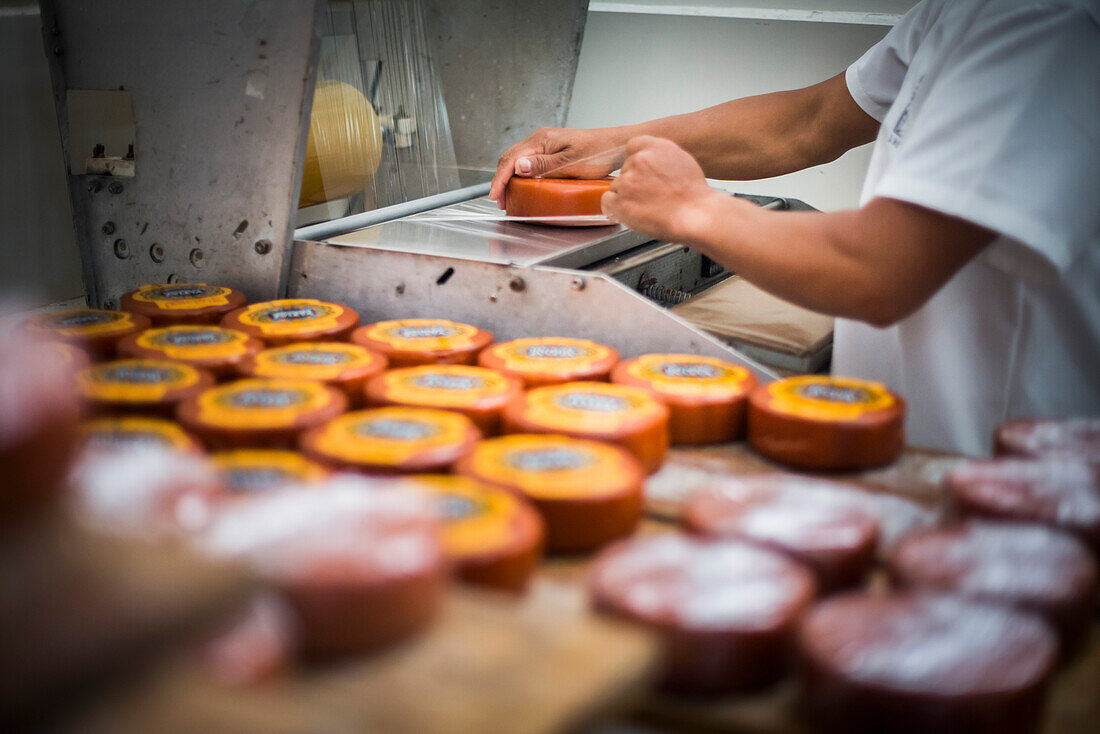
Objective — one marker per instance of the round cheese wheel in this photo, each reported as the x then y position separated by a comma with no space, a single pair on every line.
121,433
145,386
1060,493
360,563
556,197
550,360
1029,566
1069,438
95,330
341,365
182,303
625,416
209,347
392,440
244,471
476,392
412,342
831,423
725,611
290,320
492,537
915,664
706,397
259,413
819,523
587,492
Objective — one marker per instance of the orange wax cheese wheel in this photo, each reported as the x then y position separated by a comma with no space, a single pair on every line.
210,347
705,396
550,360
96,330
412,342
259,413
478,393
182,303
588,493
625,416
290,320
341,365
244,471
121,433
821,422
392,440
493,537
555,197
146,386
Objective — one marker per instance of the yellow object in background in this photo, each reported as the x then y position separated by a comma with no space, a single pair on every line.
344,146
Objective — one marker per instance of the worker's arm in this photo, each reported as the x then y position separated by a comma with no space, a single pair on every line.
876,264
749,138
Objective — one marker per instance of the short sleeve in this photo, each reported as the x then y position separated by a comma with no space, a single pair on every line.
875,78
1007,135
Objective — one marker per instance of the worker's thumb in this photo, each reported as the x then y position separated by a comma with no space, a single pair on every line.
537,165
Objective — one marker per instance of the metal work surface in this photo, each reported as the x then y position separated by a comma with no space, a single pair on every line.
215,97
508,243
508,301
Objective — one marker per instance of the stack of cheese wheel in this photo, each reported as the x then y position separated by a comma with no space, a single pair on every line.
259,413
209,347
1061,493
816,522
919,663
244,471
291,320
476,392
144,386
493,537
119,433
625,416
706,397
557,197
1074,439
826,423
182,303
725,610
412,342
340,365
587,492
394,440
94,330
1023,565
361,564
550,360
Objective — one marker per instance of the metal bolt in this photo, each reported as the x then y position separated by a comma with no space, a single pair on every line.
94,186
109,304
400,288
196,257
578,283
156,252
263,247
108,228
173,278
517,284
122,250
115,187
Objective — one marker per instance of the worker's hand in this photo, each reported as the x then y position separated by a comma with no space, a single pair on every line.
660,192
552,149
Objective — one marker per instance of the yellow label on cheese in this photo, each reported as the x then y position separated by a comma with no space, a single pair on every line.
552,467
829,398
476,519
688,375
313,361
549,354
449,386
292,316
195,342
428,335
180,296
250,470
261,403
135,380
391,436
132,432
589,406
80,322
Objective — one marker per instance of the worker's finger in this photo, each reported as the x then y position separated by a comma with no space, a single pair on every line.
638,143
608,203
538,164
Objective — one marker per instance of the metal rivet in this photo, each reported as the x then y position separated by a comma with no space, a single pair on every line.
115,187
109,304
263,247
122,250
399,289
108,228
517,284
196,257
578,284
156,252
173,278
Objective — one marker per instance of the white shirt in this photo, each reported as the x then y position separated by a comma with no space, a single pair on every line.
990,112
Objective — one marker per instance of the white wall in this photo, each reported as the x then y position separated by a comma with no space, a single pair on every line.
635,67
